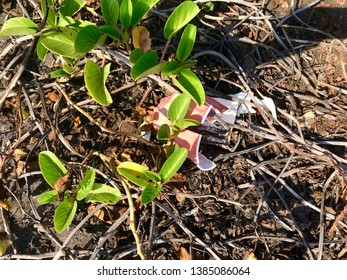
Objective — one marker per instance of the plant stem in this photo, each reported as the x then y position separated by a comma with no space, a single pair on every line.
132,219
164,51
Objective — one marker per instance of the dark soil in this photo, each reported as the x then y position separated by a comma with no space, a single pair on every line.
279,188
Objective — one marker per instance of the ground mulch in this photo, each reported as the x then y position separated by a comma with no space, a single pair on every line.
279,188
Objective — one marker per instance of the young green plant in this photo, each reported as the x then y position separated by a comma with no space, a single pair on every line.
152,182
178,69
57,176
176,115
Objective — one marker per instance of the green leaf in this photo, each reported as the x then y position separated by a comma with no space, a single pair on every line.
183,124
105,71
61,42
69,60
66,22
141,8
170,150
150,192
51,18
207,6
86,184
68,69
64,215
72,23
134,172
153,176
182,15
18,26
110,31
189,83
102,193
41,51
179,108
51,167
164,132
48,197
95,79
145,62
110,12
87,38
147,65
59,73
71,7
174,67
186,43
125,13
153,70
188,63
135,55
173,163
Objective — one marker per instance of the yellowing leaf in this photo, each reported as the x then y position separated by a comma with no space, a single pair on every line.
133,172
141,38
4,243
6,204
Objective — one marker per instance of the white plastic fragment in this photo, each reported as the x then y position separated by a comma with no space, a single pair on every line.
227,110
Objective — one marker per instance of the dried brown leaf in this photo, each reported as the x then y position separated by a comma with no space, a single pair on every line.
108,214
20,167
18,154
141,38
61,184
51,97
32,140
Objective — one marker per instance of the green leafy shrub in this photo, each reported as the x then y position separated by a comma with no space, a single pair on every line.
152,182
72,39
57,176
